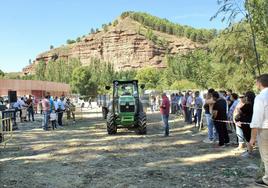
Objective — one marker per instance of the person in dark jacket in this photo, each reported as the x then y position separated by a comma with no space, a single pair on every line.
220,116
245,116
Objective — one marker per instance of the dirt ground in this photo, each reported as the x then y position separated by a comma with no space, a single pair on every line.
83,155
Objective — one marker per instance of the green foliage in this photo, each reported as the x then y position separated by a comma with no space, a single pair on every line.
102,74
69,41
195,67
2,74
28,77
40,70
183,85
82,81
56,71
12,75
115,22
165,26
105,27
125,75
92,30
125,14
149,76
78,39
255,14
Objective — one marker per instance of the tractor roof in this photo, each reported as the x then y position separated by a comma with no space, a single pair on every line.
125,81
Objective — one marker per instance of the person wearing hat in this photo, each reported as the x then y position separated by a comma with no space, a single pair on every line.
164,110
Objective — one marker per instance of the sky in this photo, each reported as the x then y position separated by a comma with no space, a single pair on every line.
29,27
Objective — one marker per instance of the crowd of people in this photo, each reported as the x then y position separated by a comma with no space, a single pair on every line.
247,114
53,109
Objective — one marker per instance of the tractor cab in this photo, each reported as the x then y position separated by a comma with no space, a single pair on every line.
126,110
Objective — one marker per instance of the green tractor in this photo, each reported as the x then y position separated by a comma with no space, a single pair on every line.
126,110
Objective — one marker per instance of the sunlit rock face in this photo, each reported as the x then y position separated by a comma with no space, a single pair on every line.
124,45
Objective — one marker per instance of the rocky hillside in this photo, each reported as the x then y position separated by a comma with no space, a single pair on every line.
127,43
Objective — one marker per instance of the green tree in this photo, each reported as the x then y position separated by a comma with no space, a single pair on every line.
2,74
105,27
115,22
254,13
149,76
69,41
92,30
82,82
40,70
78,39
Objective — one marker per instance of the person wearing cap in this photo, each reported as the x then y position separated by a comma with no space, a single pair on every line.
259,124
164,110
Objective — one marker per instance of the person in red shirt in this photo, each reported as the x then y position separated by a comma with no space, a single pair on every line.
164,110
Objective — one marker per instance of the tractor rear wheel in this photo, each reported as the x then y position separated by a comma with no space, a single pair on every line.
111,126
141,124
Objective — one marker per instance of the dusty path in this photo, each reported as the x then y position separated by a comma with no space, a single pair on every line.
85,156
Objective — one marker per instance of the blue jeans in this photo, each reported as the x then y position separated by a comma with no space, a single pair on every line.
166,125
212,133
189,115
30,113
197,117
45,120
240,134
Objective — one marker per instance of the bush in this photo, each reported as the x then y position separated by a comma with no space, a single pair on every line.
69,41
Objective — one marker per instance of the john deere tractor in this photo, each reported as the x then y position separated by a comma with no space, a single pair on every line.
125,109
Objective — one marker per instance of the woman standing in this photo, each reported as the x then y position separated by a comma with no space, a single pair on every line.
243,119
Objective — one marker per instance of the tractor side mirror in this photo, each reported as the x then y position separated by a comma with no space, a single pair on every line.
142,86
107,87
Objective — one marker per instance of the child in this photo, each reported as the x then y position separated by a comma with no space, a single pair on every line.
53,119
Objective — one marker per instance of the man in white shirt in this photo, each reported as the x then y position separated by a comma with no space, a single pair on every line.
259,124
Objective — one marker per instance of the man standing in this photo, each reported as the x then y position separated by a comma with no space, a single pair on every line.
198,104
189,108
164,110
209,102
60,110
30,108
46,111
259,124
219,115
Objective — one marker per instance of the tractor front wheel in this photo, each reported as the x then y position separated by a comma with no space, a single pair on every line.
141,128
111,126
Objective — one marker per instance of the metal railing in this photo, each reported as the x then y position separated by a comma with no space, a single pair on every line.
6,130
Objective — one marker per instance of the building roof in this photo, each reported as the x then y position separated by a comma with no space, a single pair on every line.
8,84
